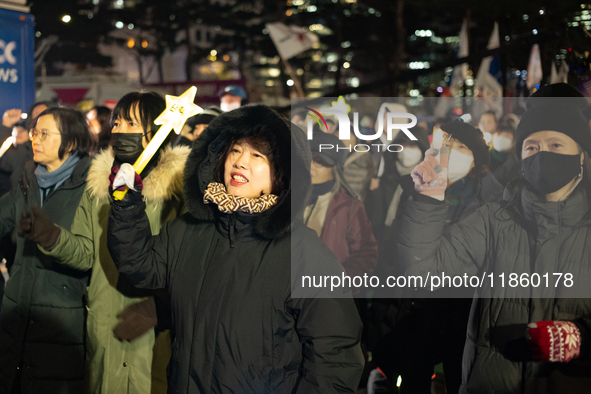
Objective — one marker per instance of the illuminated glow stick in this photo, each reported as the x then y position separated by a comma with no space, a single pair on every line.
178,110
5,145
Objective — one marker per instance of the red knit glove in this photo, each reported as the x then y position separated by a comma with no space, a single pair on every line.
554,340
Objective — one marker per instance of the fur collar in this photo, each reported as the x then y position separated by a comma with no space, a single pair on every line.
164,182
292,158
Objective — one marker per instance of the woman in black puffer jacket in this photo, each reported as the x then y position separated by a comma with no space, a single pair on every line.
238,325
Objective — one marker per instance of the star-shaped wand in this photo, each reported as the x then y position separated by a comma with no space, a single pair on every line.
178,110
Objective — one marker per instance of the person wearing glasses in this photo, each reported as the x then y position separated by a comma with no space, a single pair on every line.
43,313
125,353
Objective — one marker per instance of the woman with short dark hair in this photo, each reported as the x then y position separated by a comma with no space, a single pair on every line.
43,315
125,353
227,268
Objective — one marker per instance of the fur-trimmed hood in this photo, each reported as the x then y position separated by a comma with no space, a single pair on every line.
164,182
291,154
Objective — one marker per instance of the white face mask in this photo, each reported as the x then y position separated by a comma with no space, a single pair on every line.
459,165
410,157
226,107
502,143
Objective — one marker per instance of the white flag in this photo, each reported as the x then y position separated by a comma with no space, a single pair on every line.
534,68
559,76
487,83
461,70
290,40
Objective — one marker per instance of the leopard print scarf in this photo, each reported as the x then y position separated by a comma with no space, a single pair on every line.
216,194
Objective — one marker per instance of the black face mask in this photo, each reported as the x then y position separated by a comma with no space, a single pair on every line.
127,147
548,172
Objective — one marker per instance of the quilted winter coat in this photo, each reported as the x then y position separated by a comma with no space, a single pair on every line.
522,235
238,328
43,315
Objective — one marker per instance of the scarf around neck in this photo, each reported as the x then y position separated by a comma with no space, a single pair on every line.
320,189
216,194
55,178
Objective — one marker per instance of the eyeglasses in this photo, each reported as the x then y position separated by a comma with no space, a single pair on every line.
42,135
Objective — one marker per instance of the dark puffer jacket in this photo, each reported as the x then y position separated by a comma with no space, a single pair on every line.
238,329
42,324
522,236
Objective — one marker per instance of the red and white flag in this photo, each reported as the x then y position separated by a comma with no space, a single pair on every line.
290,40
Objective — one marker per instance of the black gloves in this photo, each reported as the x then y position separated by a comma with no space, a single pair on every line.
37,226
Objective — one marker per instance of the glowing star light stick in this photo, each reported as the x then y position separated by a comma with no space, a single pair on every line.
178,110
9,141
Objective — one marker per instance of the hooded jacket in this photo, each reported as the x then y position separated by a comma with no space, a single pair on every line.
43,315
528,236
238,328
116,366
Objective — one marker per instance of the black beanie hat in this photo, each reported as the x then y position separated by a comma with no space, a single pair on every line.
330,156
557,107
472,138
421,135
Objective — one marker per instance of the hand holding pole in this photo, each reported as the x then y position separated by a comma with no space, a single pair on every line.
178,110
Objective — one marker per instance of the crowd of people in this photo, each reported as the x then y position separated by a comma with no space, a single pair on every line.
185,284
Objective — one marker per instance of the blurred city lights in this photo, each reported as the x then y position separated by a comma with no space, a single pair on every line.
66,18
316,27
423,33
213,52
131,43
353,82
144,44
289,82
419,65
119,25
346,65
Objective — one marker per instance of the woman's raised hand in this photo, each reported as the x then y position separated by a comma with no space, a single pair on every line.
430,176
